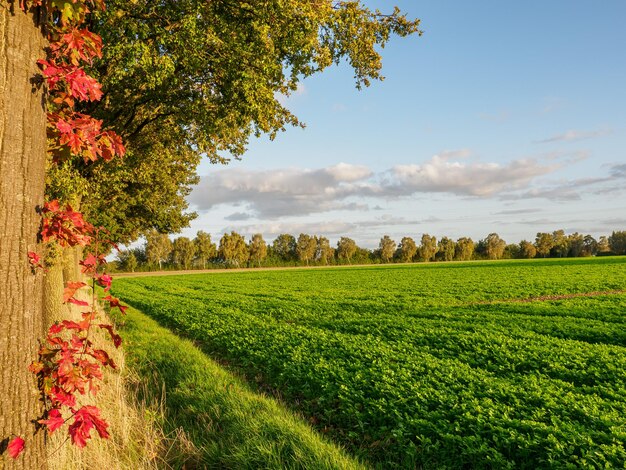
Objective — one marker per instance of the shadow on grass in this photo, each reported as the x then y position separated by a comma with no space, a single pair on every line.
214,419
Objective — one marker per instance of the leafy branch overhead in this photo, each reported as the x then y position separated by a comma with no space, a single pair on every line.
211,71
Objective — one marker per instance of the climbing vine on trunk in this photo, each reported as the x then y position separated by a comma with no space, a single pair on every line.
69,365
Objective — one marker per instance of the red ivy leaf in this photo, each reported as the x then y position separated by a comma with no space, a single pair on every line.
34,260
103,357
54,421
104,280
115,303
61,397
89,264
117,339
70,291
85,420
15,447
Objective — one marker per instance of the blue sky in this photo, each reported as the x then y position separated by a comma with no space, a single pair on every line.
503,117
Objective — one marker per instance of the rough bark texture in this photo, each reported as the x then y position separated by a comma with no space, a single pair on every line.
22,166
54,308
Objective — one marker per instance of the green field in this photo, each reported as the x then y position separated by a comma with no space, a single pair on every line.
433,366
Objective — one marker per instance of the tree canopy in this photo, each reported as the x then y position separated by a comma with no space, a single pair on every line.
186,78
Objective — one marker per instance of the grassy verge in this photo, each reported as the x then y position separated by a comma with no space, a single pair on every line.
225,424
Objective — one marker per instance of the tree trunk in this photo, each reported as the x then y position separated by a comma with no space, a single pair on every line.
22,167
71,258
53,285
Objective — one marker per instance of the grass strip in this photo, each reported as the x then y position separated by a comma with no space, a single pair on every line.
225,423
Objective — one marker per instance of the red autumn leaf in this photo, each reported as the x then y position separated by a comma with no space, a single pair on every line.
52,206
34,260
115,303
88,264
54,421
85,420
70,291
35,367
72,325
15,447
102,356
80,44
104,280
55,329
117,339
62,397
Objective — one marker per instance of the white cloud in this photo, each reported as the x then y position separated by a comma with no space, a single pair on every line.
573,135
273,194
471,179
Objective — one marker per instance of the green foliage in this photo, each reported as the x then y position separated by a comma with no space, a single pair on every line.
228,425
284,246
428,248
617,242
386,249
407,249
324,253
204,248
494,246
258,249
183,252
346,249
233,249
446,249
158,247
527,249
544,243
433,366
207,74
464,249
305,247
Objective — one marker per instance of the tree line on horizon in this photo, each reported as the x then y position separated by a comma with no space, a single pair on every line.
160,252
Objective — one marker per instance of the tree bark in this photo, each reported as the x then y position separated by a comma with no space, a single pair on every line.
54,308
22,168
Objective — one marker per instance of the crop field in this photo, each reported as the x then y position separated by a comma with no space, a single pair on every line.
518,364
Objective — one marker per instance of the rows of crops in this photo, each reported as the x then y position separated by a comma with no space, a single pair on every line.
433,366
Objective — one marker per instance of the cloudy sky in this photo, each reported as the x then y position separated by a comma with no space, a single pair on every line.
504,116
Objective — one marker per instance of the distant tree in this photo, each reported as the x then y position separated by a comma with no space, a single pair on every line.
590,246
464,249
560,244
576,243
131,262
511,251
183,252
258,249
445,249
428,248
346,248
323,252
158,247
527,249
544,243
386,248
494,246
305,247
617,243
284,246
363,256
407,249
205,249
233,249
603,245
127,260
